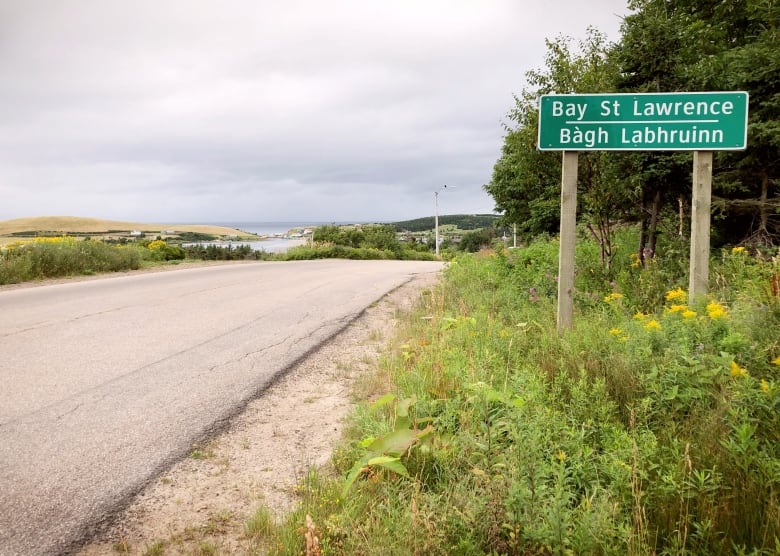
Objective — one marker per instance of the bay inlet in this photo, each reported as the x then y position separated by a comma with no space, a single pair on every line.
278,236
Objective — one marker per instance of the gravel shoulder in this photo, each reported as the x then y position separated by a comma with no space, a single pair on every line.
205,499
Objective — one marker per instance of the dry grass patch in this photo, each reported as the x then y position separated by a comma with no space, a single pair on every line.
77,224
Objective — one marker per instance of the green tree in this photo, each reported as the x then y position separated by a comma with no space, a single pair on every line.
328,234
526,182
652,55
475,240
754,66
381,236
702,45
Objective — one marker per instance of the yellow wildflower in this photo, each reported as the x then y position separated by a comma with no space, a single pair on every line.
635,261
688,314
156,245
55,240
776,360
738,249
678,295
677,308
716,311
614,296
653,325
639,315
764,385
615,331
736,371
561,456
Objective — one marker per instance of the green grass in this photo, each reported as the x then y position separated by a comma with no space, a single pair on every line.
327,251
65,256
653,427
260,524
156,549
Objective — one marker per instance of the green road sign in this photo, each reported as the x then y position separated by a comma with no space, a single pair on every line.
712,121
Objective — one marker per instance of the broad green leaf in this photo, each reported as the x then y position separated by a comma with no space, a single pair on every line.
383,401
389,463
403,422
394,442
353,475
366,442
494,395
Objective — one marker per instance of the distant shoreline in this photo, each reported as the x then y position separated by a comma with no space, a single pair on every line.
267,244
96,226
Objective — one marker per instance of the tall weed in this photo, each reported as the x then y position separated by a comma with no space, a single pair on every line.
63,256
653,427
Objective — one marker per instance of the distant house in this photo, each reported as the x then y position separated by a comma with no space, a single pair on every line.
136,233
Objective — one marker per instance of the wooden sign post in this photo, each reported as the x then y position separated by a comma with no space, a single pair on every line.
568,239
701,198
698,122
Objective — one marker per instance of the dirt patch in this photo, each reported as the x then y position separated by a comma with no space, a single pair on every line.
203,502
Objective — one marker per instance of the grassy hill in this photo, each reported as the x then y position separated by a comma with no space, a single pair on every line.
57,225
461,221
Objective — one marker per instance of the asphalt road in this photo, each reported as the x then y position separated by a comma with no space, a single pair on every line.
104,383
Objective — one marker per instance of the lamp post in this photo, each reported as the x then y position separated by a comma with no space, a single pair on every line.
436,216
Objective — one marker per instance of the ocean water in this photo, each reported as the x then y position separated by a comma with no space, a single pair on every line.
266,228
272,244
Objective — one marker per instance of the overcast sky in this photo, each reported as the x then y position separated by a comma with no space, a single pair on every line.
258,110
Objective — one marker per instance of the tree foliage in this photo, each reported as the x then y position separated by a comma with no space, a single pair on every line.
461,221
475,240
665,46
377,236
701,45
526,182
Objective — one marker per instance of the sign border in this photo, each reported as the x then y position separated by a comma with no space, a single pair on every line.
641,148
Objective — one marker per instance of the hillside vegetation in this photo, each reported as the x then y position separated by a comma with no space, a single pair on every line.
460,221
651,428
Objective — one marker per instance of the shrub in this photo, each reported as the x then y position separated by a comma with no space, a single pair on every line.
63,256
161,251
475,240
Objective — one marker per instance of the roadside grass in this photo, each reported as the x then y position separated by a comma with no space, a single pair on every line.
331,251
64,256
56,257
653,427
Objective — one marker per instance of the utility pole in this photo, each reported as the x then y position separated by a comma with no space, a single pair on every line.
436,216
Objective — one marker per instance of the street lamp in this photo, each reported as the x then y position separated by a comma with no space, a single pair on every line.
436,215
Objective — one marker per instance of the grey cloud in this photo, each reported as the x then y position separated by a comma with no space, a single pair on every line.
263,110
